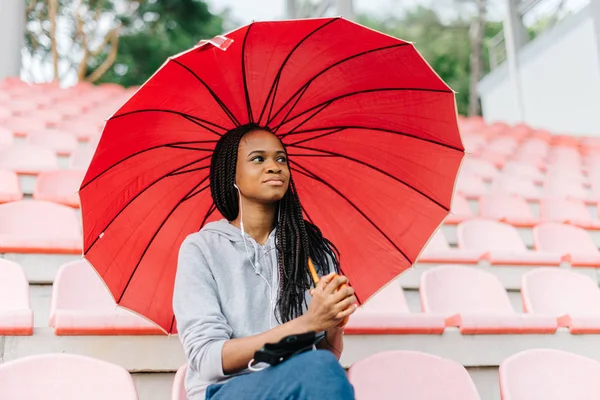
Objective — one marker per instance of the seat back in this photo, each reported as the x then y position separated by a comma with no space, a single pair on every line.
450,290
557,292
502,206
482,234
64,377
411,375
178,392
562,238
560,209
549,375
14,287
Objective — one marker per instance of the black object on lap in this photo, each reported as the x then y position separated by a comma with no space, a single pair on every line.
289,346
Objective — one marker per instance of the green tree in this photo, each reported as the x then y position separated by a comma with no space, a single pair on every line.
152,31
445,45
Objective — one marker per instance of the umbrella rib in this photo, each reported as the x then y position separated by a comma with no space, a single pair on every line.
358,92
292,108
371,129
188,148
167,145
154,237
172,173
304,87
334,154
334,131
317,112
275,84
248,104
191,118
314,176
220,102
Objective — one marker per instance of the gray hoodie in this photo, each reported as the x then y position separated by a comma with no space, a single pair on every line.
223,290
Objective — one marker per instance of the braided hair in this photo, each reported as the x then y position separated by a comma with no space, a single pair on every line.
296,239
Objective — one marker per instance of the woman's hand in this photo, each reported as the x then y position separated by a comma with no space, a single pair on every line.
329,306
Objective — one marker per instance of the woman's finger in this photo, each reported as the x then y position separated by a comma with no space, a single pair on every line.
336,283
347,312
342,294
347,302
324,281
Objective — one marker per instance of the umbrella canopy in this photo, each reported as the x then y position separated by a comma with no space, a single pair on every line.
370,129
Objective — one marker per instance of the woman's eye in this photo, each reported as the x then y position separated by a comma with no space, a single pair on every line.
282,159
258,159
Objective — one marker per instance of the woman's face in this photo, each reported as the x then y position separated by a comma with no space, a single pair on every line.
262,172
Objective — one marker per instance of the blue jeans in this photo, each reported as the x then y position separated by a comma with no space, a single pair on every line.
312,375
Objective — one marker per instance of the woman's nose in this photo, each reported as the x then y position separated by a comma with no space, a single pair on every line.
273,168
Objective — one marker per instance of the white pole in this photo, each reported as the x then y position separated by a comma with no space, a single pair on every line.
345,8
595,7
513,42
12,34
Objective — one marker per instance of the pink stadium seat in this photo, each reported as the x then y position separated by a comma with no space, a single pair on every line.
574,299
545,374
480,168
28,160
460,210
81,158
573,242
534,147
59,187
520,186
438,251
61,143
507,208
31,226
9,187
410,375
178,392
22,126
524,171
82,305
49,116
387,313
83,128
503,145
64,377
476,302
502,243
16,317
568,211
6,137
470,186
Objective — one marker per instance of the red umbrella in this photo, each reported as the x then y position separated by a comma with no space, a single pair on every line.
370,129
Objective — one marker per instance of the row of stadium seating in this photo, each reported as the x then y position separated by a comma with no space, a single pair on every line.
470,299
532,374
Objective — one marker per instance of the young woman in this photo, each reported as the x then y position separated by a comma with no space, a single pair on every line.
243,281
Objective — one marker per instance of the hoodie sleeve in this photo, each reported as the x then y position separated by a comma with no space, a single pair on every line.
202,327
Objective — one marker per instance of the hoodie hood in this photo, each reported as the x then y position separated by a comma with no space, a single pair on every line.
232,233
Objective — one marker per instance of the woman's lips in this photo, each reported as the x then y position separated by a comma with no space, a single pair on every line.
274,182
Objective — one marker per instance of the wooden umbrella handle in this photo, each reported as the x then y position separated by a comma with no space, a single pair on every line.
316,279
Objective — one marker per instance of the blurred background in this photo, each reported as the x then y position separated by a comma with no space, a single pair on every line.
531,61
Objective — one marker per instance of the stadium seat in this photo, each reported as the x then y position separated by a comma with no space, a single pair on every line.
178,392
504,145
59,187
16,317
28,160
480,168
502,243
63,144
567,188
470,186
476,302
460,210
534,147
438,251
22,126
574,299
573,242
83,128
64,377
508,208
82,305
9,187
32,226
410,375
523,171
387,313
568,211
6,137
519,186
546,374
81,158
